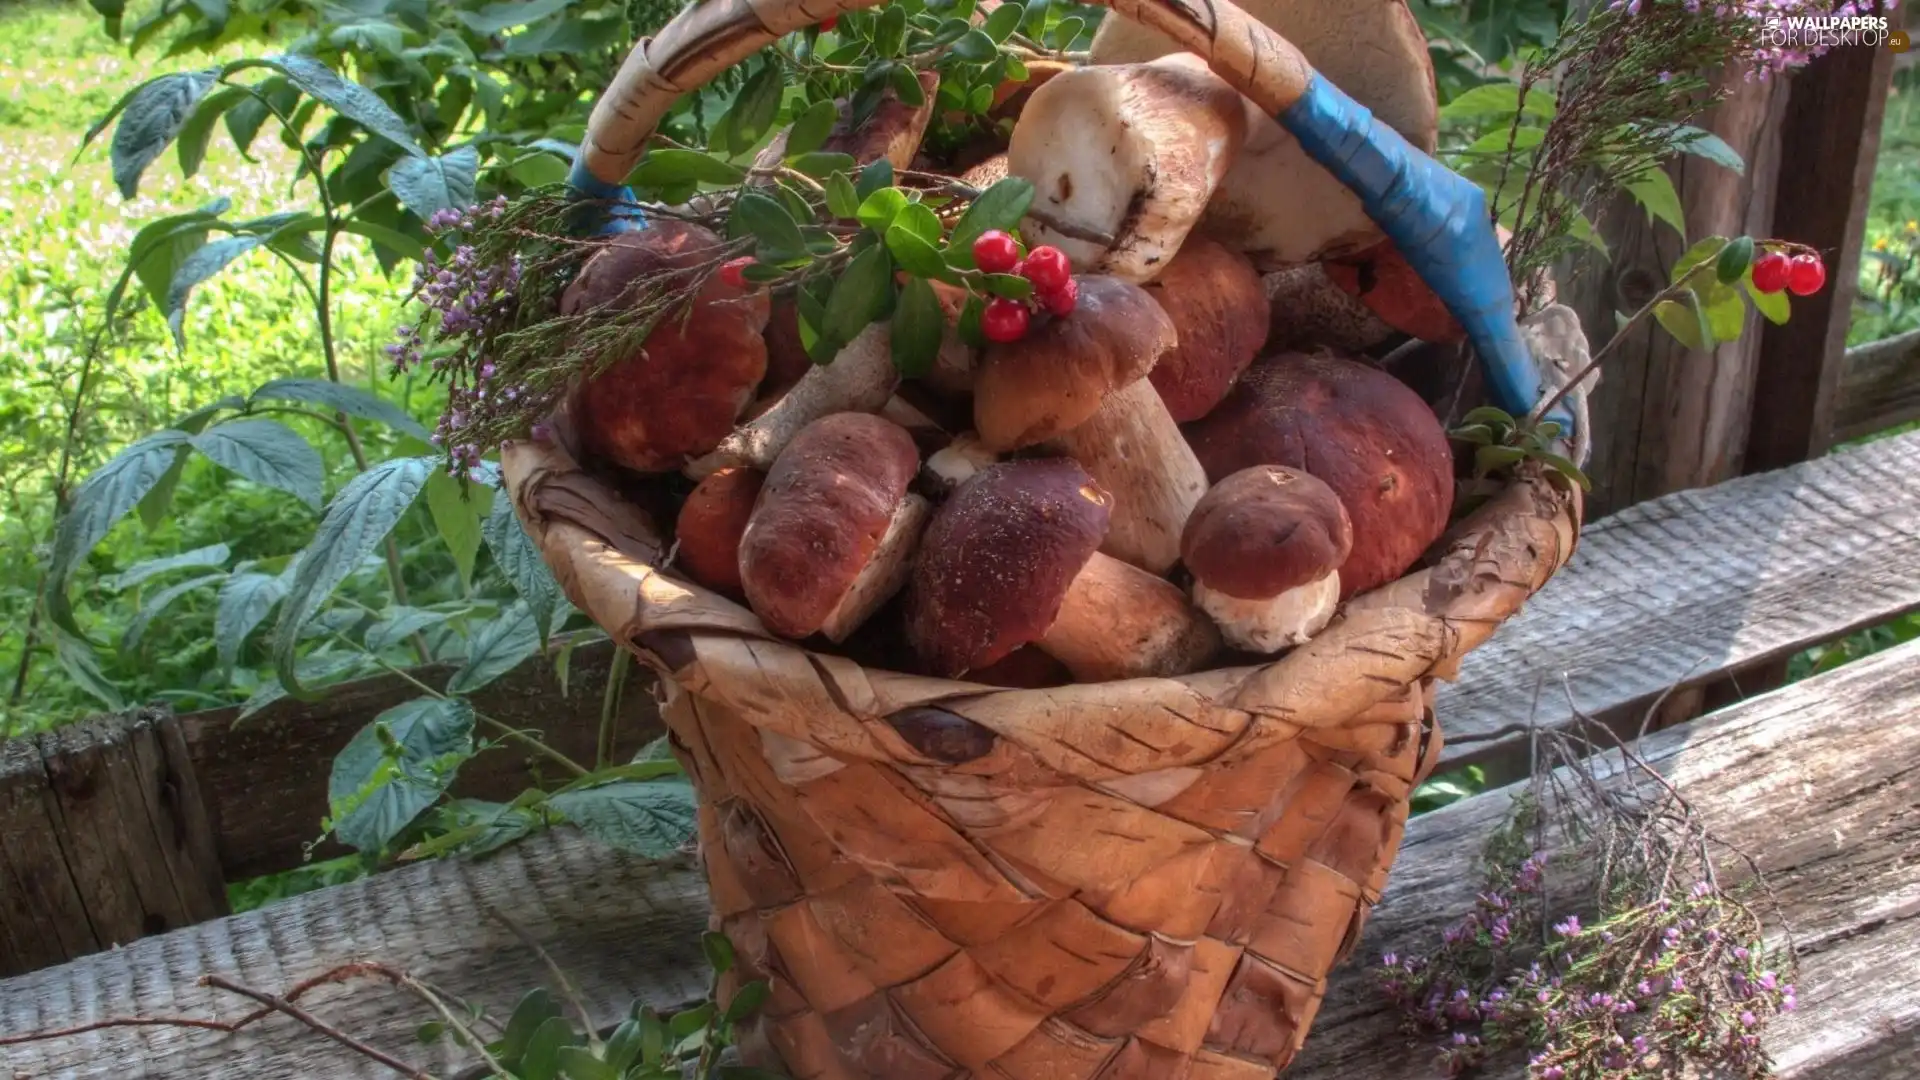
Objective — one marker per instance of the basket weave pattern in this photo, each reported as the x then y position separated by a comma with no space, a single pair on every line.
940,879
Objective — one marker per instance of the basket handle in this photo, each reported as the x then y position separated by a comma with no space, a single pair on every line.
1436,218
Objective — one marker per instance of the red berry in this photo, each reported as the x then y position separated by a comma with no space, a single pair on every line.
733,272
1805,275
1060,302
1047,268
827,24
995,252
1004,320
1770,272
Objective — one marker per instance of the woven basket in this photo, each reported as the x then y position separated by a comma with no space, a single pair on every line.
1139,879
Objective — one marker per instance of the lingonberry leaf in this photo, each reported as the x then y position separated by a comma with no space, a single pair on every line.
754,110
880,208
917,327
842,200
919,220
862,294
1011,286
890,31
811,129
875,176
771,226
915,255
1735,260
1003,22
821,163
906,86
1774,306
999,207
1682,318
667,166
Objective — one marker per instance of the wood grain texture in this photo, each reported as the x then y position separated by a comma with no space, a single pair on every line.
1690,585
1879,387
1821,782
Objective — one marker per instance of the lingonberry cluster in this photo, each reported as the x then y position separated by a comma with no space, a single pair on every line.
1045,267
1802,275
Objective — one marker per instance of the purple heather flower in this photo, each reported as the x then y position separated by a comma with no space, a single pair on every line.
1640,1045
1768,980
1747,1019
1553,1072
1739,952
1701,889
1569,928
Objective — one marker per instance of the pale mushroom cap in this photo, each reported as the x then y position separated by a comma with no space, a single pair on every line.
1265,530
1052,380
828,501
997,560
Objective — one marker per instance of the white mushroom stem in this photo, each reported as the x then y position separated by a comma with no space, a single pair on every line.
860,379
918,424
1120,622
955,463
1123,160
884,573
1272,624
1135,450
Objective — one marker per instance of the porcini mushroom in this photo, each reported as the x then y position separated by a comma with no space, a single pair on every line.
1276,203
956,463
893,131
1078,384
1220,318
711,522
1364,433
681,390
832,536
1307,309
1265,548
1013,559
1380,278
1123,160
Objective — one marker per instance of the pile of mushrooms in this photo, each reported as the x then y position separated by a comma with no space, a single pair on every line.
1196,465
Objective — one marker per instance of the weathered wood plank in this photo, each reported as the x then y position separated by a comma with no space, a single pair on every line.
1820,781
1879,387
1676,590
265,777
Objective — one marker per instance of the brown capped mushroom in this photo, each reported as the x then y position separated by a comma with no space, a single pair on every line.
1362,431
1079,384
1380,278
1124,159
681,390
1012,559
1308,310
1276,203
832,536
1220,316
956,463
1265,548
711,522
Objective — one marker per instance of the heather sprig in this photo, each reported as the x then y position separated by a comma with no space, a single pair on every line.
1642,965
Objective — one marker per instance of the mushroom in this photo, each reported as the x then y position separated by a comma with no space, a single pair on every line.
712,520
831,538
1364,433
1220,319
860,378
1380,278
956,463
1307,309
893,131
1124,159
787,360
1012,559
679,392
1078,384
1265,548
1276,203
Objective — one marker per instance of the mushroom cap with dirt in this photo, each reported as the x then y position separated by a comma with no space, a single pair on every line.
1013,559
832,535
1220,319
1123,160
680,390
1277,204
1078,384
1366,434
1265,548
711,523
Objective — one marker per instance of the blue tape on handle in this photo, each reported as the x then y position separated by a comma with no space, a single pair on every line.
625,216
1438,220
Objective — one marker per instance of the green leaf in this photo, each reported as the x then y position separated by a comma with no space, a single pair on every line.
918,219
347,399
754,110
974,47
351,100
719,951
266,452
1699,254
918,326
916,256
535,1008
1734,261
1011,286
1003,22
1774,306
407,247
245,119
1654,190
1473,434
497,647
905,82
1683,321
812,128
458,509
1507,139
400,624
577,1063
1489,459
890,30
880,208
157,604
359,518
860,296
243,603
876,175
159,247
842,201
153,114
668,166
542,1059
1725,313
378,786
202,264
77,660
750,997
1702,143
520,562
427,185
98,504
651,819
773,229
494,18
198,129
999,207
197,559
1498,100
623,1046
1565,468
316,670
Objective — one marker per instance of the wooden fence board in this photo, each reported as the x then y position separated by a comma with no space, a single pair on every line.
1820,781
1879,387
